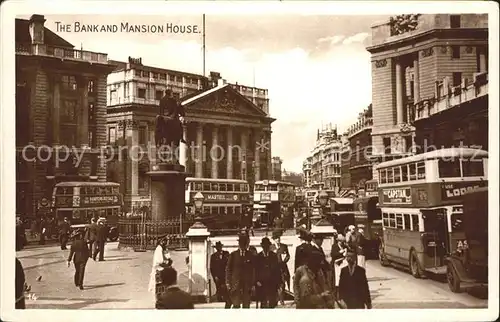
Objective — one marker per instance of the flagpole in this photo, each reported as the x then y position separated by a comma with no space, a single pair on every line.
203,45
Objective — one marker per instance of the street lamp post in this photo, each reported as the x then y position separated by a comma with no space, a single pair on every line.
198,198
323,200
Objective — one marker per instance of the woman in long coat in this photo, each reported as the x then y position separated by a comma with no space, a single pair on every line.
311,289
161,259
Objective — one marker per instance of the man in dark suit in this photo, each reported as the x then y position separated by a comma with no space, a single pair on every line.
302,250
64,229
240,273
218,263
353,285
79,253
171,297
91,236
102,235
267,275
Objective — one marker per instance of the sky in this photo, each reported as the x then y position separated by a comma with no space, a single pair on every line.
316,68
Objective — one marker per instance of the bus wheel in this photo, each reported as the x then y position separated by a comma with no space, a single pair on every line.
416,271
381,256
453,280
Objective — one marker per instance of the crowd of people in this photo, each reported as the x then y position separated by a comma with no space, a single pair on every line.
244,274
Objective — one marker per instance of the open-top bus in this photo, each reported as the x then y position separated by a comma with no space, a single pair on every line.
79,201
273,196
421,199
224,199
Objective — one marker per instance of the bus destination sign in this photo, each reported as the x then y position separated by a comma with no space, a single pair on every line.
100,200
457,189
397,196
222,197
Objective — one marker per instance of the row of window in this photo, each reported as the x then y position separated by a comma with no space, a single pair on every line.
402,173
401,221
164,76
285,188
86,191
70,83
219,210
217,187
460,168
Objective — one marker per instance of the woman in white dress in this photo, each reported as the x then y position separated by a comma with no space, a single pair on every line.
161,259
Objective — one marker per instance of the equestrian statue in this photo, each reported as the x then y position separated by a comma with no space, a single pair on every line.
168,131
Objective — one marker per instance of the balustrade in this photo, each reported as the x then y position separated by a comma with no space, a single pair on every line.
61,52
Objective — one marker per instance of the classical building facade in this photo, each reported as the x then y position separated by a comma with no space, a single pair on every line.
306,170
360,150
60,104
325,159
276,163
411,55
345,164
228,130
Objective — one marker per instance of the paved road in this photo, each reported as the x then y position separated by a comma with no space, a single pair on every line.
122,281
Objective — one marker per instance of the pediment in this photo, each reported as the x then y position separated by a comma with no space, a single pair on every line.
223,99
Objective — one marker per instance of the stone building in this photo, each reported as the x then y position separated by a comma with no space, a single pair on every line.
325,159
411,55
345,164
219,116
60,102
360,150
306,170
276,163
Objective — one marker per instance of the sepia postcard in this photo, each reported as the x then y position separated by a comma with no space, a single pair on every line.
293,155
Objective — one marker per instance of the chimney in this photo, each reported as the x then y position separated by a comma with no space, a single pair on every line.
37,28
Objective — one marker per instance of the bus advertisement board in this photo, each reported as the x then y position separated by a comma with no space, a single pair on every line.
221,197
100,201
397,195
455,190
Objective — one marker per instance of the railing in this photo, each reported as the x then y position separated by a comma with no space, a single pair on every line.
132,99
145,234
61,52
363,123
448,98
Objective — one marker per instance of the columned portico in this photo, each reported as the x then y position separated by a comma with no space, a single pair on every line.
399,91
416,79
244,145
259,147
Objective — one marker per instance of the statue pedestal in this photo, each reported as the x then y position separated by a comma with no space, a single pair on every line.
167,191
198,270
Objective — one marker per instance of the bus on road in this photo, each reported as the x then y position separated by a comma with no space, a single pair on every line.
274,197
420,198
79,201
222,197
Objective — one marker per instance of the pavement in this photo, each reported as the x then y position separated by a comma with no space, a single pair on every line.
121,282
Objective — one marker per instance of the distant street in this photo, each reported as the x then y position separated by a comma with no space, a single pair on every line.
122,282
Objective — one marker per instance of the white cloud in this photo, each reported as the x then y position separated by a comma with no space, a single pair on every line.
304,90
357,38
332,40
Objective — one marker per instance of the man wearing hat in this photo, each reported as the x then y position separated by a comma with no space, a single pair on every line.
79,253
302,249
218,263
267,275
360,242
240,273
283,258
102,235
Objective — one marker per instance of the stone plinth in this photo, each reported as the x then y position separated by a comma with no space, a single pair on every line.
167,191
198,267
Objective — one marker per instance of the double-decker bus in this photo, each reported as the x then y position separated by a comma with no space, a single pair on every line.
79,201
273,196
420,200
221,196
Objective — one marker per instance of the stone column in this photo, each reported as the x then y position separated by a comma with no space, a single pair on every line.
56,122
482,59
132,137
183,148
199,151
399,92
269,157
259,148
229,152
416,80
199,252
167,191
214,152
244,145
84,105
